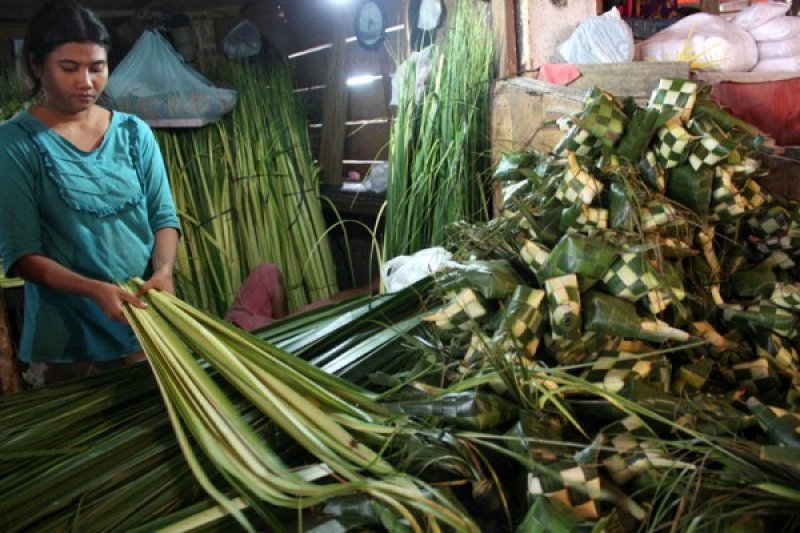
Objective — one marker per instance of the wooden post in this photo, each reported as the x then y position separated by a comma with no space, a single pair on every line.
334,108
544,25
505,38
710,6
9,380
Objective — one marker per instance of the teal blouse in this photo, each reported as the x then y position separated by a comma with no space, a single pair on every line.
95,213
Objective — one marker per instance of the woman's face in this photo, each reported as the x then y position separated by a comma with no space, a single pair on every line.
73,76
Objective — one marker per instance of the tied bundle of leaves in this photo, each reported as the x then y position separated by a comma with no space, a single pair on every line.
247,192
439,143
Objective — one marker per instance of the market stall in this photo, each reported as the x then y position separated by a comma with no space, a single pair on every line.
589,296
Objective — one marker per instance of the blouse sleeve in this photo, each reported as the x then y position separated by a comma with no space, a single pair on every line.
19,213
160,205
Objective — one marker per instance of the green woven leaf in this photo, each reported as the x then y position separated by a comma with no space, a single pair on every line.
652,172
755,282
630,277
602,117
640,131
587,257
691,188
524,319
493,279
510,164
564,306
621,210
676,94
672,144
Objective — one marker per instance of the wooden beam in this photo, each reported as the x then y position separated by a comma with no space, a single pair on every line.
334,111
544,25
504,26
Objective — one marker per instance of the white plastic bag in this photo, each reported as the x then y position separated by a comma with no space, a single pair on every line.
377,179
710,41
603,39
758,14
153,82
421,61
777,29
777,49
405,270
244,40
779,64
430,11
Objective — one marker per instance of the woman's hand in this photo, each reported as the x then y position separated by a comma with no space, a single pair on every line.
160,280
110,298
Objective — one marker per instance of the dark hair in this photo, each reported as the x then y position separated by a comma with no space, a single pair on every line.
55,23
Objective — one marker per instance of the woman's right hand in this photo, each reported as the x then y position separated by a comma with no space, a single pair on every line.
110,298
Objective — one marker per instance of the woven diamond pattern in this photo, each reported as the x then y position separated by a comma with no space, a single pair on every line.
630,277
657,214
579,141
534,255
726,201
672,143
603,118
678,94
773,220
709,151
755,196
634,447
579,487
611,371
580,186
786,295
756,378
763,315
524,319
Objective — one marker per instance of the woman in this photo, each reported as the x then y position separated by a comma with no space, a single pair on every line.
85,203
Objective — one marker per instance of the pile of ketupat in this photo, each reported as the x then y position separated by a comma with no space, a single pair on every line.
639,295
617,352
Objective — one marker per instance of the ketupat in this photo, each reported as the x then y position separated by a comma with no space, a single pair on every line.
706,163
702,440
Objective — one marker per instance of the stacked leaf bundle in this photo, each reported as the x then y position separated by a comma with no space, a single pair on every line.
98,454
13,97
439,143
640,281
247,192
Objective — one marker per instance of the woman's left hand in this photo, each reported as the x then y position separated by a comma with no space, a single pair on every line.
161,281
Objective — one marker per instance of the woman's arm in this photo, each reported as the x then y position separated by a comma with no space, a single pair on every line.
44,271
163,261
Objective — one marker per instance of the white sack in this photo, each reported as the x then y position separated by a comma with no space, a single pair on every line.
405,270
758,14
777,29
715,44
777,49
781,64
603,39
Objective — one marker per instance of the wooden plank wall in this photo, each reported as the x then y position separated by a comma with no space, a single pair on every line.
312,25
